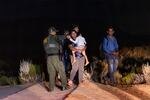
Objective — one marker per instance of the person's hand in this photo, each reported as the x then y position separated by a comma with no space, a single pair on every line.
68,36
115,53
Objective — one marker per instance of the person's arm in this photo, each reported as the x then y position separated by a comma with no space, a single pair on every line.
116,45
74,41
105,48
72,48
83,49
116,53
45,43
75,49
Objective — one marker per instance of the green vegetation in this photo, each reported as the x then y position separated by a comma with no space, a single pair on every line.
12,75
128,79
29,72
133,66
4,80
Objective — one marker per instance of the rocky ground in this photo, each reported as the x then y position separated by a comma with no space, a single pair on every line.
85,91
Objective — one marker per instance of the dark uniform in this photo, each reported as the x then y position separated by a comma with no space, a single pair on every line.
66,56
54,64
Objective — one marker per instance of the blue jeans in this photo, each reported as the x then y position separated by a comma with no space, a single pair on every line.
113,64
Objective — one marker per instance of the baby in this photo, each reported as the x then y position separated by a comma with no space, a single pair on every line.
80,44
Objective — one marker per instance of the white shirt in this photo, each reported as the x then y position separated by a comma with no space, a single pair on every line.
79,41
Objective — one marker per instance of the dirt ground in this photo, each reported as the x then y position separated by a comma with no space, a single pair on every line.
86,91
39,92
95,91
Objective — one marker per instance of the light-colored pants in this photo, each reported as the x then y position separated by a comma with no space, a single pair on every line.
113,64
78,66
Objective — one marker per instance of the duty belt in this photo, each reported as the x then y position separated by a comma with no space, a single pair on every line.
53,54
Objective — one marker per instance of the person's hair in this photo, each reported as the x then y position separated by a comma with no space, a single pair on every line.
109,27
75,32
52,29
74,26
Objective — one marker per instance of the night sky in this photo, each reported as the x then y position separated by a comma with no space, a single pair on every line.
24,23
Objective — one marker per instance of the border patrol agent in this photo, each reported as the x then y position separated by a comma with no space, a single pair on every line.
54,64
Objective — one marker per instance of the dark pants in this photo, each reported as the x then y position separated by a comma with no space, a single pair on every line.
54,65
66,61
78,66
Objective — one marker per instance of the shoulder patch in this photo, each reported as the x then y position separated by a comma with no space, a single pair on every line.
45,41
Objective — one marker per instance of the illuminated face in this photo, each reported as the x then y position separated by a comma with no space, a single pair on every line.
110,31
53,33
73,34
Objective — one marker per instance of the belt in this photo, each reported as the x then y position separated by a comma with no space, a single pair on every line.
53,54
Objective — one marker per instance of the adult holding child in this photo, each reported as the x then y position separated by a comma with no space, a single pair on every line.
79,64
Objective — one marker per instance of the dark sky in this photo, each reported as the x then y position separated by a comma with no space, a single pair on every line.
24,23
130,15
121,12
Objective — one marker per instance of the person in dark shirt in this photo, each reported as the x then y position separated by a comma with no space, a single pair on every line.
66,50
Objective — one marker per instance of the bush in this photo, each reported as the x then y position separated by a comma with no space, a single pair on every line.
128,79
4,80
32,72
146,72
131,67
29,72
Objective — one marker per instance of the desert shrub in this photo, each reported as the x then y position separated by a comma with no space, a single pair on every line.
38,69
128,79
131,66
32,71
139,52
13,80
146,72
133,78
4,80
139,79
29,72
